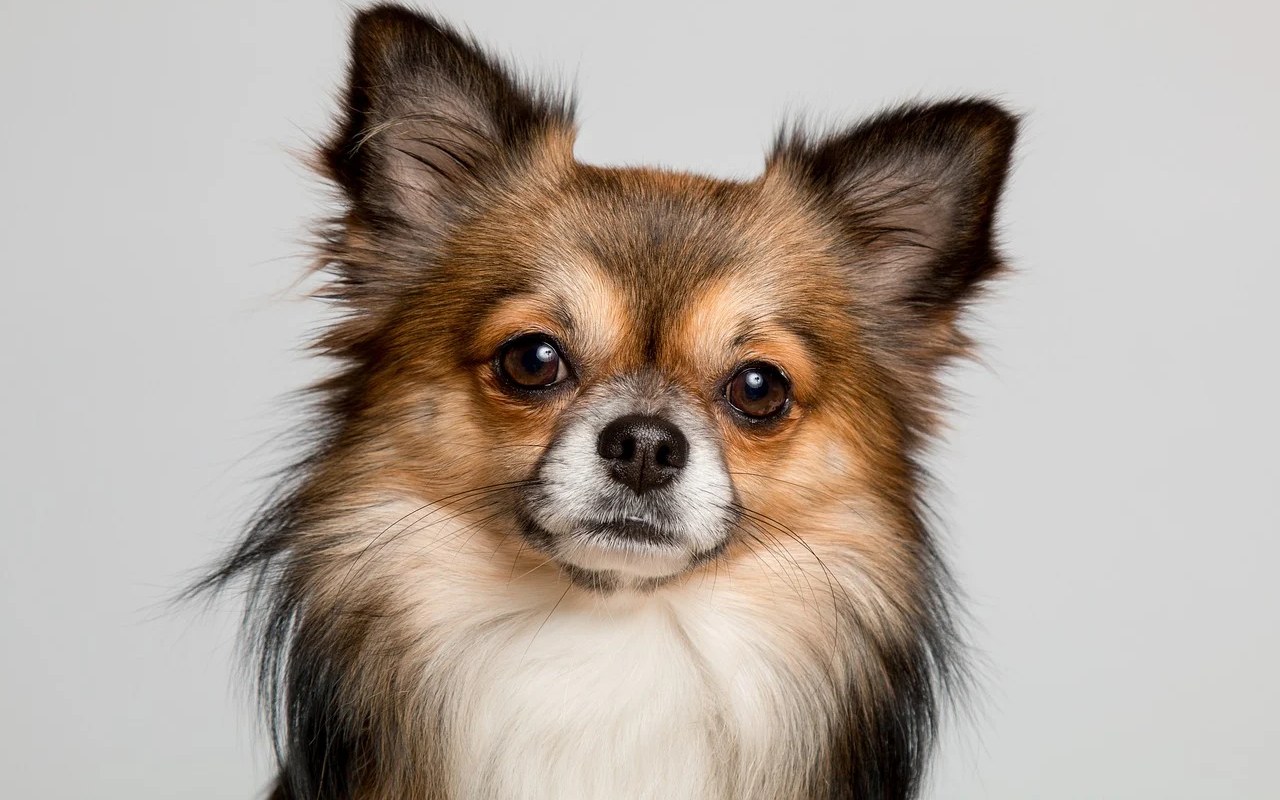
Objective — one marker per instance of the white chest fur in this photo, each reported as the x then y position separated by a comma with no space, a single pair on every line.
718,688
666,696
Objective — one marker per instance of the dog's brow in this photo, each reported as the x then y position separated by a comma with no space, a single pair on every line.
563,317
549,304
812,341
752,331
755,334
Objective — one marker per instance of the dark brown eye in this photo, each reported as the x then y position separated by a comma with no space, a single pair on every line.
532,362
759,391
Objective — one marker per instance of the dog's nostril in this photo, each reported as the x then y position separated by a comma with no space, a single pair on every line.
643,452
669,456
663,455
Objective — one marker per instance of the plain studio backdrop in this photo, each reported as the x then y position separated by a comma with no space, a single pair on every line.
1109,482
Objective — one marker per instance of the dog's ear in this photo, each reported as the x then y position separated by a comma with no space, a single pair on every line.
912,196
429,119
914,191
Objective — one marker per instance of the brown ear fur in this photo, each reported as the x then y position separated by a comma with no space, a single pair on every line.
430,121
912,194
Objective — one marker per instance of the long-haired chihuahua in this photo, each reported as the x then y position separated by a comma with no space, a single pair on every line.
614,492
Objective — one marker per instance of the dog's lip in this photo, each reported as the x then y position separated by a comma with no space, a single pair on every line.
632,530
625,546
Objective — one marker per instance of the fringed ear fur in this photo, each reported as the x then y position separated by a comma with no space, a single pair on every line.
912,194
429,121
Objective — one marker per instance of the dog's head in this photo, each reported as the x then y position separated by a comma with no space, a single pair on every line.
554,375
634,369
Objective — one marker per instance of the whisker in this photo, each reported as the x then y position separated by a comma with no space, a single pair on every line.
472,527
778,546
832,581
534,569
545,621
370,552
441,504
811,490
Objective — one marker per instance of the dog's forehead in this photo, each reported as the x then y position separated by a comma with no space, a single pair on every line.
634,265
671,228
670,241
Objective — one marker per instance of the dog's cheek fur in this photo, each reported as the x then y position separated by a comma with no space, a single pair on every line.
835,524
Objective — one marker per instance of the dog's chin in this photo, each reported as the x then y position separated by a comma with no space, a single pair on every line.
614,553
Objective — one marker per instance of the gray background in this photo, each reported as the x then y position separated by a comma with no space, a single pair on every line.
1110,478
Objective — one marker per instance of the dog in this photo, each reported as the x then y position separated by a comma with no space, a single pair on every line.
614,490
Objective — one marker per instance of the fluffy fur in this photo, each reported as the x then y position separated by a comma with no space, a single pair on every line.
435,611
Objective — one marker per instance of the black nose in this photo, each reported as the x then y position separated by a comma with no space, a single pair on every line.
643,452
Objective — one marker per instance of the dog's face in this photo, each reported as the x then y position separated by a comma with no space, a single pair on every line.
654,356
638,372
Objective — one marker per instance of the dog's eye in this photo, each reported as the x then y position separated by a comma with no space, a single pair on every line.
532,362
760,391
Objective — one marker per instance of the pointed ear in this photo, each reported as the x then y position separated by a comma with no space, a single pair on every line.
429,118
913,193
912,198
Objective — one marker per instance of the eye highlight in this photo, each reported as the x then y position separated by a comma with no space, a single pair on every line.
532,361
759,392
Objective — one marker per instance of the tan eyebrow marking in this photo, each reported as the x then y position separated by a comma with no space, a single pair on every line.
576,302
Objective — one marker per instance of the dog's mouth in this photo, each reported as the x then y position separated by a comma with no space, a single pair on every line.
607,554
631,531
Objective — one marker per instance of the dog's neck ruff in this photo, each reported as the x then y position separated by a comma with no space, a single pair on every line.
528,686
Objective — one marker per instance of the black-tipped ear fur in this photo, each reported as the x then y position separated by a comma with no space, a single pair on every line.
428,117
912,194
914,190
